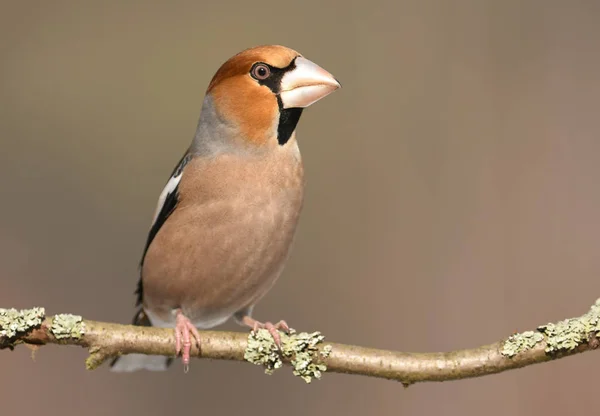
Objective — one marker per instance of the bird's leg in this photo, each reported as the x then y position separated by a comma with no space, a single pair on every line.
183,328
272,328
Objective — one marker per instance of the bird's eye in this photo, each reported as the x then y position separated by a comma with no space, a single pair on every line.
260,72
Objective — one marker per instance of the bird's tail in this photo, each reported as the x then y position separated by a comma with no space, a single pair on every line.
134,362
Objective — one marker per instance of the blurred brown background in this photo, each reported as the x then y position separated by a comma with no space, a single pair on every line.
452,191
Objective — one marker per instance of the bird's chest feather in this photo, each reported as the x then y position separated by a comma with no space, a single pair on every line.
226,242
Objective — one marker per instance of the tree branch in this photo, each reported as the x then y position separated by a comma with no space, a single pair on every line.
307,353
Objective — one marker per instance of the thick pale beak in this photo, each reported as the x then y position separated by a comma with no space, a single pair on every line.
306,84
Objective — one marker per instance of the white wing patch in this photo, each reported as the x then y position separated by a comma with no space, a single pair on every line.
169,188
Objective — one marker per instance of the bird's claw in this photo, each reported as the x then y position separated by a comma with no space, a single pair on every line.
183,341
273,329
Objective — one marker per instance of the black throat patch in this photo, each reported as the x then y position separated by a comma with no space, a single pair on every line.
288,119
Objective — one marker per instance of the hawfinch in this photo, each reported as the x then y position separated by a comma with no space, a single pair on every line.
226,218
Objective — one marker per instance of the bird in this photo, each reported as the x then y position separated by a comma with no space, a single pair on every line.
226,219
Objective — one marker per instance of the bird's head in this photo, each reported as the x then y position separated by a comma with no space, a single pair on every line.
260,94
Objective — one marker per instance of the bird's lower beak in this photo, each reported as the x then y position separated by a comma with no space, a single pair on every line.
306,84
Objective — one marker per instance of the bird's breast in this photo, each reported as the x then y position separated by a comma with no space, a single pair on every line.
227,240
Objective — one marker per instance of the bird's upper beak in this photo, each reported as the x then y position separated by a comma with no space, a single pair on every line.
306,84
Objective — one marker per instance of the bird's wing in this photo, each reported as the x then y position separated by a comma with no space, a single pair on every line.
166,204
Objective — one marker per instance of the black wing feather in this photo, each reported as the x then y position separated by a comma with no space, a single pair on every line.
165,211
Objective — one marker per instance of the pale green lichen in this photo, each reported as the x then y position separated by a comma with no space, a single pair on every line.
95,359
326,351
13,322
300,348
521,342
67,326
569,334
261,350
561,336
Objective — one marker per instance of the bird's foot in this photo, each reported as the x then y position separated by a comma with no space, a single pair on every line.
269,326
183,341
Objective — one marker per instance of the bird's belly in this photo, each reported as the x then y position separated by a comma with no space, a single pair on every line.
214,259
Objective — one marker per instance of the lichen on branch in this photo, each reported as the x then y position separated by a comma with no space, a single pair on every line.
301,349
13,322
67,326
566,335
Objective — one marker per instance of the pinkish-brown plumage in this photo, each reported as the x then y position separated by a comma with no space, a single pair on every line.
227,241
226,219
